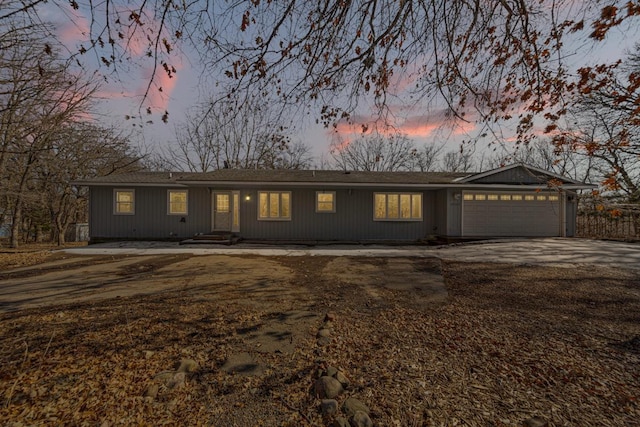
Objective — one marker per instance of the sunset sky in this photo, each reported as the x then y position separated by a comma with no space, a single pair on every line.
122,94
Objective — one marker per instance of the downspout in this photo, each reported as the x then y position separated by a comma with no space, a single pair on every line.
563,213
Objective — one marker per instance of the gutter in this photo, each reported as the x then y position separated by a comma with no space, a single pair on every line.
290,184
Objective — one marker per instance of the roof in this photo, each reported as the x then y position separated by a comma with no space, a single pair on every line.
324,176
329,178
143,178
537,174
274,176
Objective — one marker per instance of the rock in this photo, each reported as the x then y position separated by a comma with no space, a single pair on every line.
340,422
164,377
342,379
327,387
331,371
328,407
361,419
151,391
327,325
353,405
177,380
535,422
188,366
324,332
324,341
148,354
330,317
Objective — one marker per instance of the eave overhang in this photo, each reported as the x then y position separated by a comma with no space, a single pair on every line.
433,186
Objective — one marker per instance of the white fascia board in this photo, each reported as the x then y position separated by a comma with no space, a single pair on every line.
289,184
126,184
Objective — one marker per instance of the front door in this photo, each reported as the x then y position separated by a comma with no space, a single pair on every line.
221,211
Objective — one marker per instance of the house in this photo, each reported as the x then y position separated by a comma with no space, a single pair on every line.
304,205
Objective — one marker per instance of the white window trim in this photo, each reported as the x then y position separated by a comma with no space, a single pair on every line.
279,218
333,210
169,202
412,219
115,201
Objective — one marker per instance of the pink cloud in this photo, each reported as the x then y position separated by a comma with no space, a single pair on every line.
74,31
161,89
417,126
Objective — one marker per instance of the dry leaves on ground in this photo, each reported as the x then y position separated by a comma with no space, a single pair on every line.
510,343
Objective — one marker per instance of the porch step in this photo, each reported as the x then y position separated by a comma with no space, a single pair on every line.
215,237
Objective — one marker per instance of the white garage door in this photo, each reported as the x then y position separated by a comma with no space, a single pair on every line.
501,214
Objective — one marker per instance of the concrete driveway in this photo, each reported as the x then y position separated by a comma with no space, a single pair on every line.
548,251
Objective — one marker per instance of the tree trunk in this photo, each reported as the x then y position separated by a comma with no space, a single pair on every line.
14,241
39,234
61,230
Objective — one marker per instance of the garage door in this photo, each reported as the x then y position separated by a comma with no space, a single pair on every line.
502,214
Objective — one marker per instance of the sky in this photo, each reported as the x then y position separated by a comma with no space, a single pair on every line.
122,96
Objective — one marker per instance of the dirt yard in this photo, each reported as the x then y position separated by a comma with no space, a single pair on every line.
233,341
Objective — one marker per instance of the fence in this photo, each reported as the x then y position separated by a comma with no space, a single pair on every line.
609,224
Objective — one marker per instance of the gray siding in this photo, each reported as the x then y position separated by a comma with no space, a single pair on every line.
450,212
441,213
571,213
150,220
517,175
353,219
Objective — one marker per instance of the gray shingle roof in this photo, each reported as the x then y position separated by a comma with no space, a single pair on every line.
281,175
324,176
136,178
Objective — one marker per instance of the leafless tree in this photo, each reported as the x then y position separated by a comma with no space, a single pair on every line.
239,133
80,150
503,58
427,157
460,160
375,152
543,154
606,127
42,97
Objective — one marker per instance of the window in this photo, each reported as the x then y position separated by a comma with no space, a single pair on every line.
505,197
481,197
274,205
397,206
124,202
553,198
516,197
492,197
222,203
235,225
325,201
467,196
529,197
177,202
541,197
